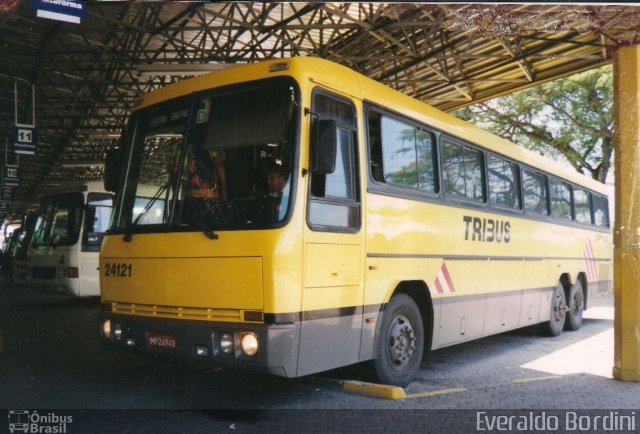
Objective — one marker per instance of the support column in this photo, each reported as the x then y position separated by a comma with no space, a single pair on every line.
626,234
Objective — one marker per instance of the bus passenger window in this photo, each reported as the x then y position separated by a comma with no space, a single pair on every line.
560,199
462,172
399,153
535,193
582,202
601,211
426,162
504,183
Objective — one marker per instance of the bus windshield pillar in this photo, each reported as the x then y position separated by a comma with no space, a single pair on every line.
627,214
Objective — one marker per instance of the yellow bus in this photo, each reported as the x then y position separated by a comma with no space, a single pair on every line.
293,216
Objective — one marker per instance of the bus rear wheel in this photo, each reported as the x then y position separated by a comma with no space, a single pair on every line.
400,342
558,311
575,307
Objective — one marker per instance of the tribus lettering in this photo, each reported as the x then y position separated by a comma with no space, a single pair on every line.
488,230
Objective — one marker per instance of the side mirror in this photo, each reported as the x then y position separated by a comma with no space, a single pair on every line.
324,138
113,169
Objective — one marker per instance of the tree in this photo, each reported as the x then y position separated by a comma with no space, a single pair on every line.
569,119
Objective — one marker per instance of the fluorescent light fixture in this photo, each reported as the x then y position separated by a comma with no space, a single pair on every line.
75,164
103,135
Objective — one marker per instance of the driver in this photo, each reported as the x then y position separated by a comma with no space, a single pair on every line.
206,177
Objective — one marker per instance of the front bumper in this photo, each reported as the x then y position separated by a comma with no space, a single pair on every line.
187,339
55,285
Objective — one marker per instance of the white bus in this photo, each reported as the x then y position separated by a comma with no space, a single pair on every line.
21,253
67,239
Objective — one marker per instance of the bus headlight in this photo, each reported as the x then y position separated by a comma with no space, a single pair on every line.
249,344
106,328
117,331
226,343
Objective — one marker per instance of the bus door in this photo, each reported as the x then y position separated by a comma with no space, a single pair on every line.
334,245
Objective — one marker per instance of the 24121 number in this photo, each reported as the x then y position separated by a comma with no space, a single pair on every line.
117,270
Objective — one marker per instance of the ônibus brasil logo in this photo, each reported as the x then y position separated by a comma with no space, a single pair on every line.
26,421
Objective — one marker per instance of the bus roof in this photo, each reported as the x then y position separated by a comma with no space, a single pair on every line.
345,80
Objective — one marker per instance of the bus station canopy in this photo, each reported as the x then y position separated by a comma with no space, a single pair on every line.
87,76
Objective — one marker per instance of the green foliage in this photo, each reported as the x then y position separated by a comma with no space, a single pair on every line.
568,119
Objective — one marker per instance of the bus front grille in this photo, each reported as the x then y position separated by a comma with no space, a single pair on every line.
192,313
43,272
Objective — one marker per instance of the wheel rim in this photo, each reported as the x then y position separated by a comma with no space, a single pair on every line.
577,302
401,342
558,309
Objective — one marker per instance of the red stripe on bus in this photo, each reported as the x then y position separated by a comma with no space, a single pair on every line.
447,277
591,266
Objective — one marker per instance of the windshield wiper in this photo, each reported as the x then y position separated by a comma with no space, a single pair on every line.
128,234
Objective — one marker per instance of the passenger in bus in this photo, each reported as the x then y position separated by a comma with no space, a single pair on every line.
206,177
278,194
205,187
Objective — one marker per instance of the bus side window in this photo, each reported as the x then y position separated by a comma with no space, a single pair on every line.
401,154
582,204
375,146
462,173
504,183
425,148
600,211
535,193
560,200
334,202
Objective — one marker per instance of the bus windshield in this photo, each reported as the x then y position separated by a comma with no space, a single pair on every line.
220,159
28,227
60,222
98,213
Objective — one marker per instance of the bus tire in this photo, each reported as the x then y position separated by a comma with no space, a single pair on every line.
575,307
557,311
400,342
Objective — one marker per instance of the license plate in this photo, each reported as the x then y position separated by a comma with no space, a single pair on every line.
161,340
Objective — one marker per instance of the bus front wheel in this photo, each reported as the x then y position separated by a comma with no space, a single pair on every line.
558,311
400,342
575,307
